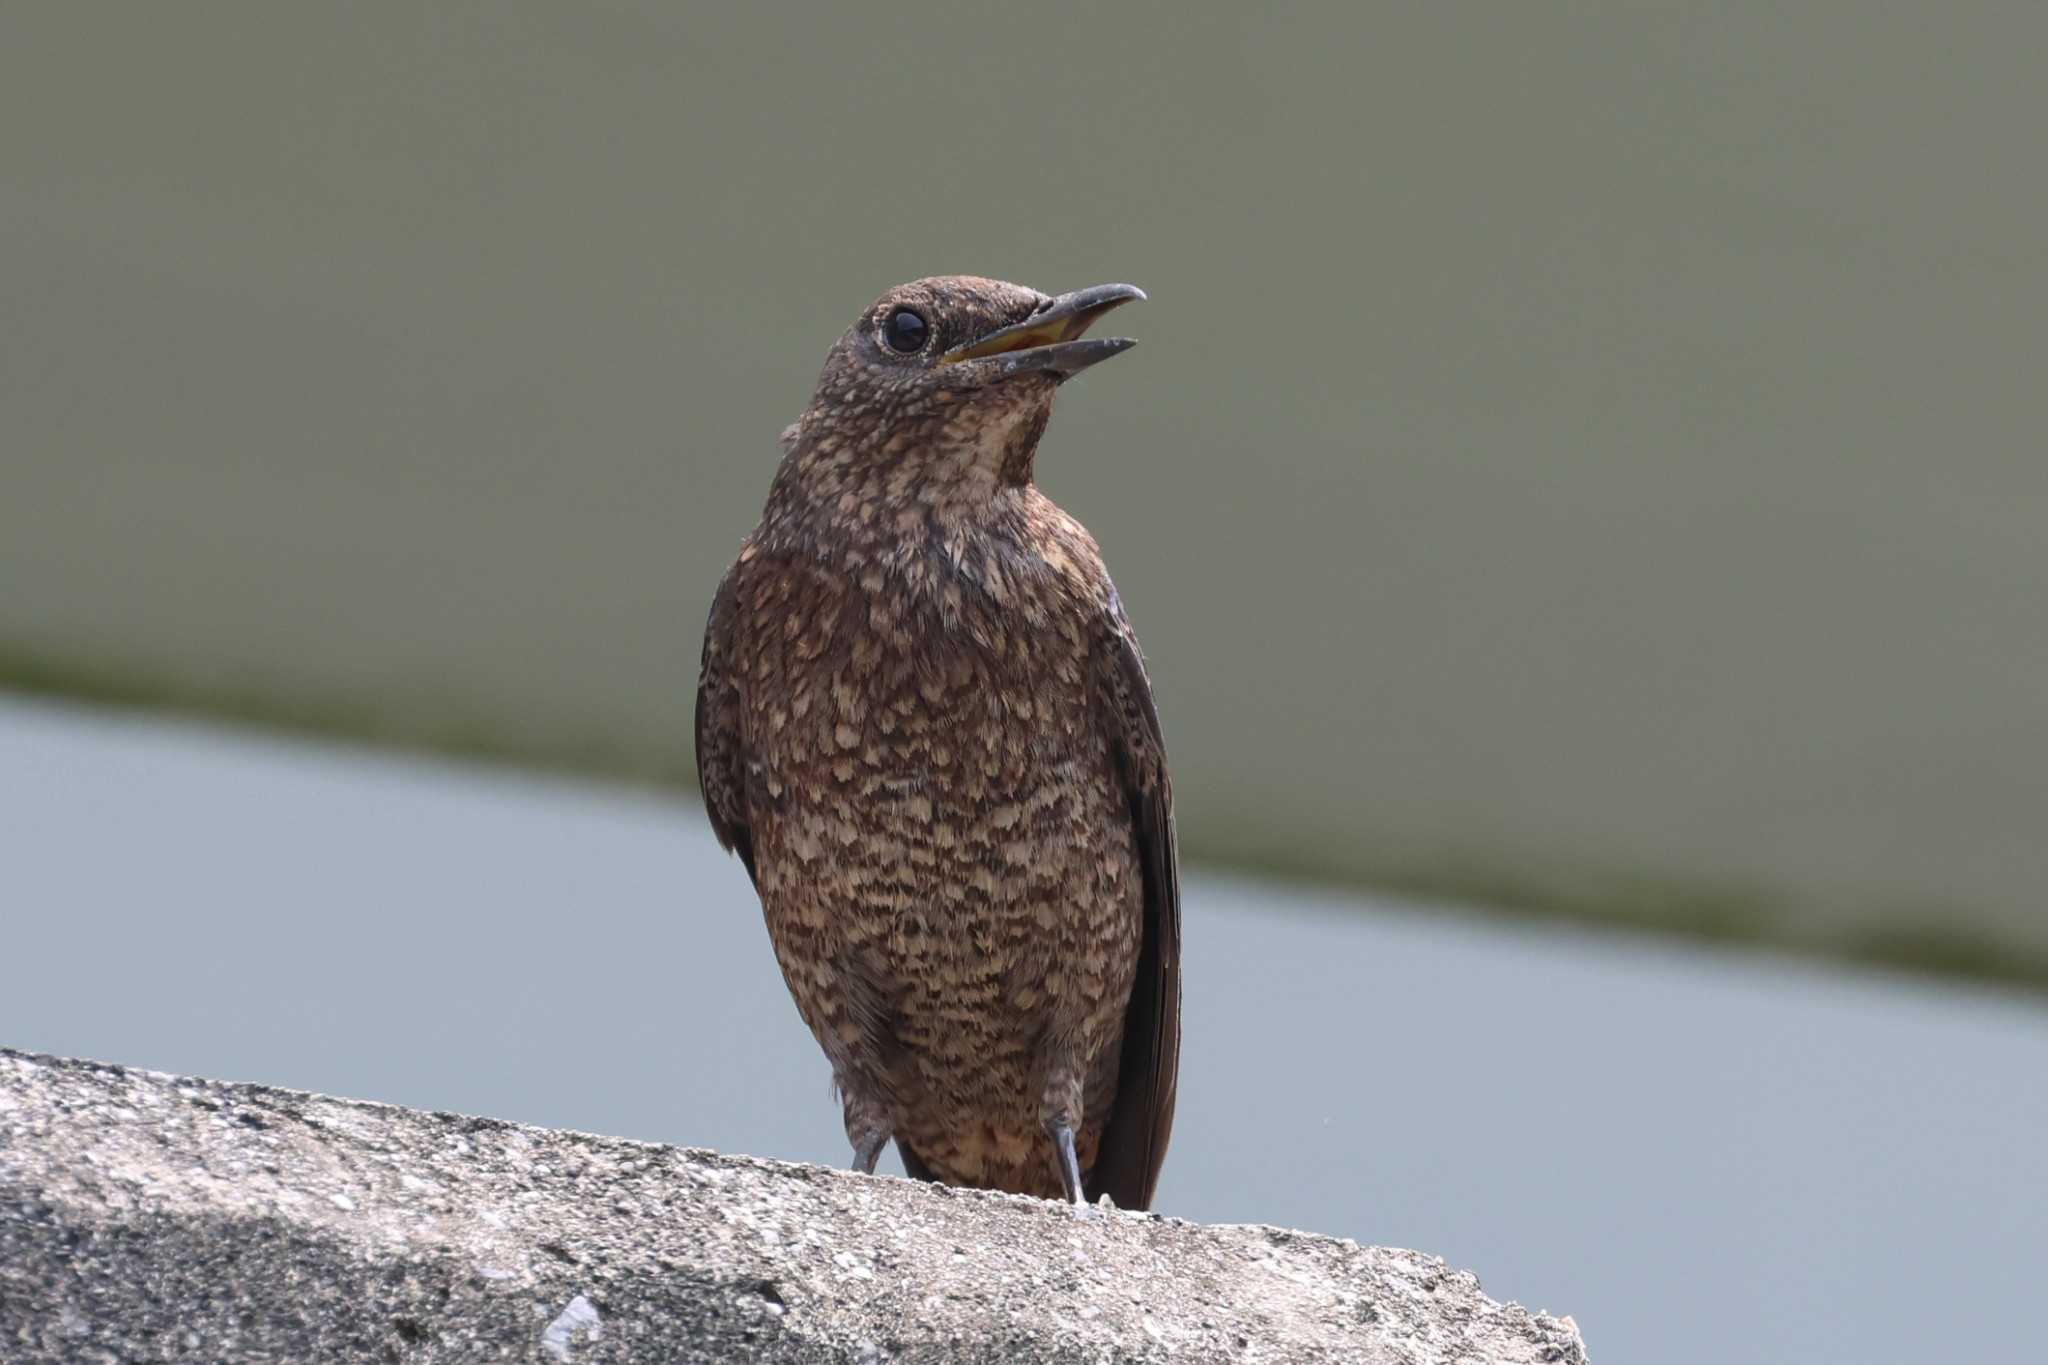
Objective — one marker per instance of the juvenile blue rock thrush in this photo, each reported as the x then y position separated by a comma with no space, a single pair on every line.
924,725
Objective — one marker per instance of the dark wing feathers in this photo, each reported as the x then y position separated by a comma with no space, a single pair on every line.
721,756
1141,1120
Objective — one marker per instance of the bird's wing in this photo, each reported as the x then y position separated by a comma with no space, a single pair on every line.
721,754
1141,1120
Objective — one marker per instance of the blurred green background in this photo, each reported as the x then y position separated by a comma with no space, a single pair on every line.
1582,458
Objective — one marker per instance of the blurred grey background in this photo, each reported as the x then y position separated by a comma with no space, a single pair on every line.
1586,458
1582,461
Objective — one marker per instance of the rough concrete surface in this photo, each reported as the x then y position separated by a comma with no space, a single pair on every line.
146,1217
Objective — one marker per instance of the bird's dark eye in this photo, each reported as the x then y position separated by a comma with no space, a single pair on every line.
905,331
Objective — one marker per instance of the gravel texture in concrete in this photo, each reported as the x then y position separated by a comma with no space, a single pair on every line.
154,1217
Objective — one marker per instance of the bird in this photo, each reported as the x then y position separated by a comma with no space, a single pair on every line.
925,727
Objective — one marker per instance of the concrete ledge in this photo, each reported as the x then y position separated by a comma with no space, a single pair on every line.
153,1217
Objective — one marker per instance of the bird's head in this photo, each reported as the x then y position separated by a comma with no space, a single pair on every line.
944,385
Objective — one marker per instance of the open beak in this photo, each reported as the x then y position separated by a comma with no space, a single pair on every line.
1050,339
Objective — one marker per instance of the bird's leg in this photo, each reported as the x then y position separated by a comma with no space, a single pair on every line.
1069,1163
867,1128
1060,1114
867,1150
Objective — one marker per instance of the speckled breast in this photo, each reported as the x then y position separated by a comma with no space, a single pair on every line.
949,880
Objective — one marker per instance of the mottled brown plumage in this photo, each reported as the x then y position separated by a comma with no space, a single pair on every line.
924,725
